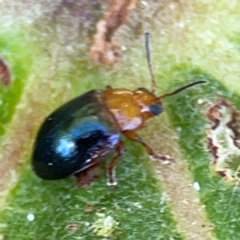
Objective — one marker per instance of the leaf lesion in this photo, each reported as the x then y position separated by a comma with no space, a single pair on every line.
223,136
5,74
104,50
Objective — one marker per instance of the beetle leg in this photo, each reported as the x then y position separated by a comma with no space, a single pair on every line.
111,178
87,176
134,137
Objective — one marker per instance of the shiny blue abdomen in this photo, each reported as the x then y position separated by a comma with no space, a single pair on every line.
74,137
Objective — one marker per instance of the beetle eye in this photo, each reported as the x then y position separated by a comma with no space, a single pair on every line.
156,109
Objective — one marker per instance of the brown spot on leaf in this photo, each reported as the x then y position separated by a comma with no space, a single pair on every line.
213,149
89,208
103,49
5,76
224,138
73,226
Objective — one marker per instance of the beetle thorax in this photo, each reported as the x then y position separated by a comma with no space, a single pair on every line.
130,109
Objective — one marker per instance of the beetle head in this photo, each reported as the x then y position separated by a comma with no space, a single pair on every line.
150,104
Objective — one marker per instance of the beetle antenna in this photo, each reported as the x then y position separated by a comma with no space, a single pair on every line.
181,89
148,53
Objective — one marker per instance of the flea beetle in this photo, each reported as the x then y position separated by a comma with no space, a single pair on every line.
76,137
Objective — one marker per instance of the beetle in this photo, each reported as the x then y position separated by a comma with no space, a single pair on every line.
75,138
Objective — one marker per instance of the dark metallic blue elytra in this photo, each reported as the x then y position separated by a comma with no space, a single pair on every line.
74,137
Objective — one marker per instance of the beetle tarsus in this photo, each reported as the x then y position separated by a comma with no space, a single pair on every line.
112,184
111,172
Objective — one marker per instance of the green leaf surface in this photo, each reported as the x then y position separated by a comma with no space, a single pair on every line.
13,50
